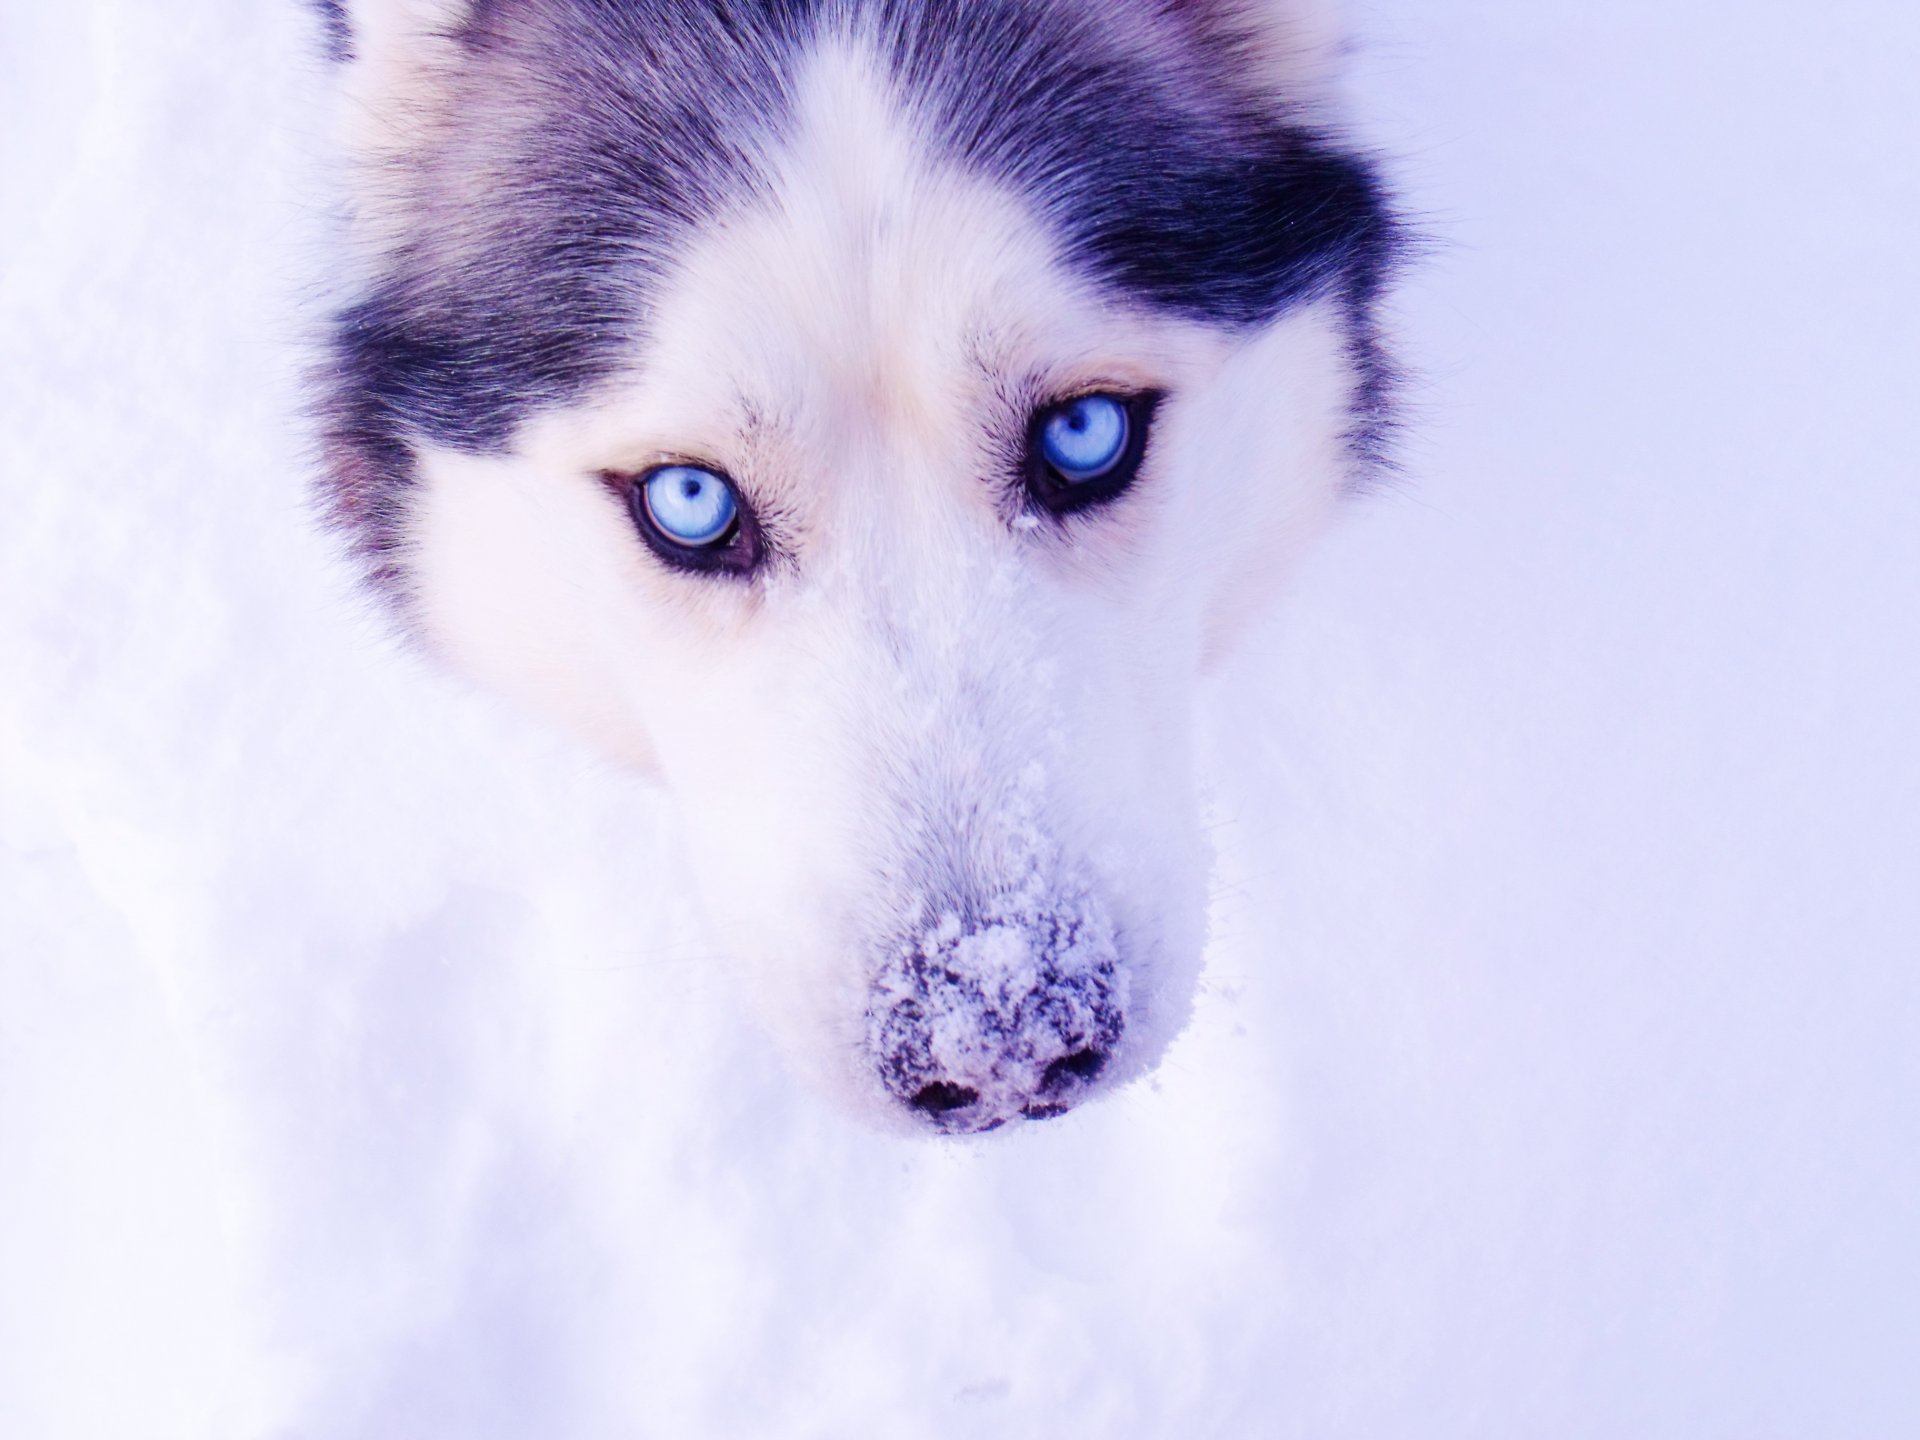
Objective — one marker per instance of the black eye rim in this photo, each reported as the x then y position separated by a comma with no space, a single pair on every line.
736,554
1059,496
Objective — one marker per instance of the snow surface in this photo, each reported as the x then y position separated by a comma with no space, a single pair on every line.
361,1075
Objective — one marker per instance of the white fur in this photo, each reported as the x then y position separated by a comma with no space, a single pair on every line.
923,674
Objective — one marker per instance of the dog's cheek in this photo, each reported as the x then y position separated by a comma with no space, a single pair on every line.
526,583
778,819
1137,811
1263,459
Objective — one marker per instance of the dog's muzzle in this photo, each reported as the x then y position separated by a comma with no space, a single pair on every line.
975,1024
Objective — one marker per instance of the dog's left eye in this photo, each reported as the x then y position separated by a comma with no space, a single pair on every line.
1086,449
1084,438
691,517
689,506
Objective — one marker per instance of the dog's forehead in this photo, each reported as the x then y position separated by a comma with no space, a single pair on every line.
588,147
875,282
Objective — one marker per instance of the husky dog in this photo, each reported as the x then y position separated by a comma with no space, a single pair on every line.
871,418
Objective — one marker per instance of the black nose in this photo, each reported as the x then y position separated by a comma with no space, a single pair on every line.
999,1021
1080,1065
956,1107
943,1097
962,1109
978,1067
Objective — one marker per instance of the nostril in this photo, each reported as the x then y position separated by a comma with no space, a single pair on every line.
1081,1065
943,1097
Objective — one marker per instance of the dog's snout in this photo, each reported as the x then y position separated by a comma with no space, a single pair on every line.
997,1024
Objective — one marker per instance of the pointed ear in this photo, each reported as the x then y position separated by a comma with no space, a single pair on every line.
398,64
363,28
1289,49
397,55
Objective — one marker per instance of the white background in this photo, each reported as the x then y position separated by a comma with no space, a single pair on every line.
362,1075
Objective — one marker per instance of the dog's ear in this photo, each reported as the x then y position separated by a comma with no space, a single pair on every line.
381,29
397,55
1288,50
399,61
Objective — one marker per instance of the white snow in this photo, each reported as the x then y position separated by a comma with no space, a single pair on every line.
1555,1073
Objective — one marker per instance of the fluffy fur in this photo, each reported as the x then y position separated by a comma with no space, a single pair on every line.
934,753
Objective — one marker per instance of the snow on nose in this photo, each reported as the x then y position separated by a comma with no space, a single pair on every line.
972,1025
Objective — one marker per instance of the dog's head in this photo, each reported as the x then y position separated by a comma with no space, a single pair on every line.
870,418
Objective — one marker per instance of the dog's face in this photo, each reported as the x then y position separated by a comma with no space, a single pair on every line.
760,392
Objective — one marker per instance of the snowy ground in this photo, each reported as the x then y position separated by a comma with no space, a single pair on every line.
361,1076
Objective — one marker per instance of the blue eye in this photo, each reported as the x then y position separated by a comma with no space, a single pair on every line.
1086,451
689,506
1086,437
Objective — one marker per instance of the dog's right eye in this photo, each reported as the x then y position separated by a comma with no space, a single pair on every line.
689,506
692,518
1084,450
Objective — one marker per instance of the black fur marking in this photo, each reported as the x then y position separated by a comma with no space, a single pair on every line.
1373,415
333,16
592,139
1227,215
